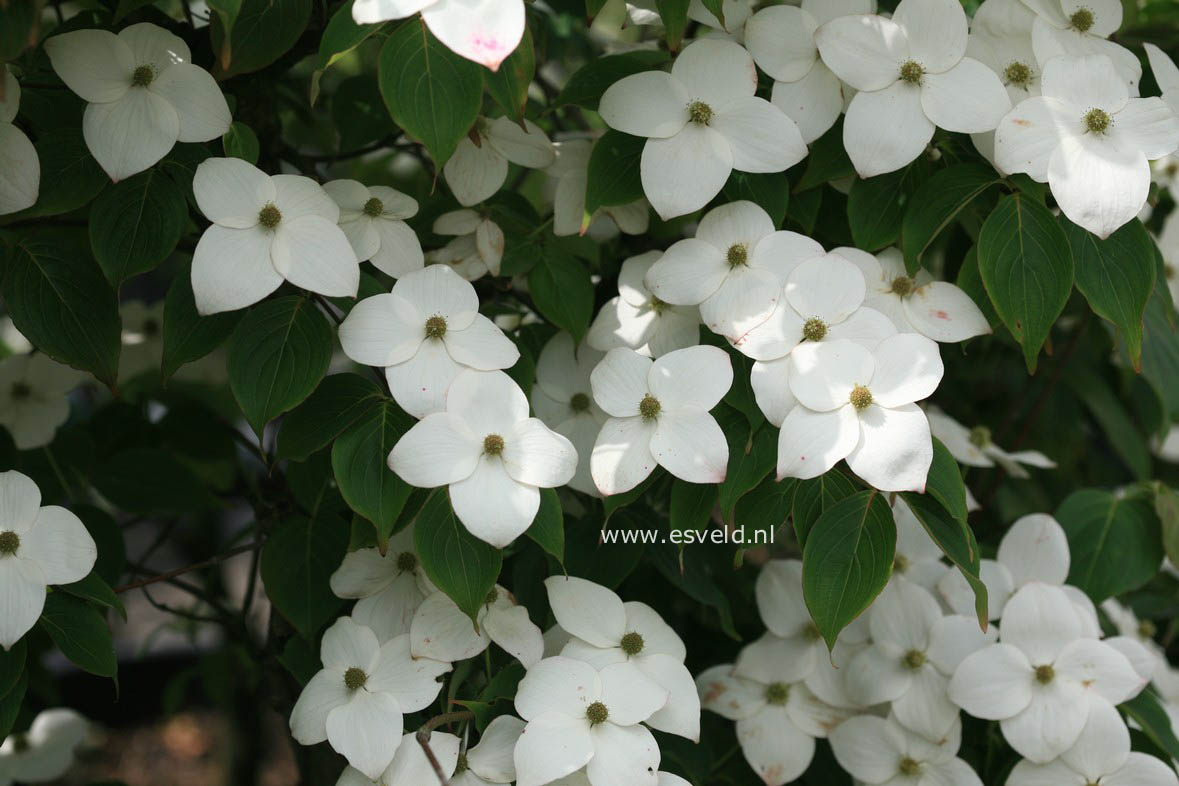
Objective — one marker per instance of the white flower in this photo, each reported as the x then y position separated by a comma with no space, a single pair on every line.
581,717
1005,46
265,229
389,588
1168,243
20,169
39,546
958,596
1089,141
563,398
423,333
605,630
494,458
858,405
917,558
736,13
46,751
1043,676
659,414
479,165
491,761
881,751
734,268
794,642
410,767
477,249
357,701
442,631
143,93
639,320
1135,640
373,220
485,31
1079,28
702,121
974,447
33,400
1166,74
569,175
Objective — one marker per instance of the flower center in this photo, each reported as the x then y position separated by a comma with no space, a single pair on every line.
1081,20
579,403
1098,121
492,596
597,713
143,76
777,693
355,678
374,207
1168,271
909,767
900,564
811,631
435,327
9,542
649,407
914,659
738,255
902,285
493,444
269,216
20,391
632,644
911,72
1171,169
1045,674
1017,73
700,113
980,437
861,397
658,306
1147,629
814,329
461,766
407,561
20,743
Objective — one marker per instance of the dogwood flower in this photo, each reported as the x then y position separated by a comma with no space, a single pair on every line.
442,631
424,333
639,320
880,751
659,414
975,448
485,31
734,268
1166,74
917,558
1043,677
1168,243
958,595
478,246
580,778
479,165
357,700
33,400
410,767
143,93
579,717
912,76
388,588
569,175
491,761
20,169
373,220
563,398
1136,640
1089,140
604,630
494,458
1001,39
1071,28
265,229
39,546
858,405
793,635
46,751
702,121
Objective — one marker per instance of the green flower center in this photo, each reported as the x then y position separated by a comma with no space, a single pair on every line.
777,693
143,76
811,631
738,255
914,659
1081,20
579,403
909,767
700,113
461,766
597,713
407,561
435,327
658,306
1045,674
1147,629
20,391
902,285
20,743
900,564
861,397
492,596
980,437
649,407
912,72
493,444
632,644
1017,73
1098,121
269,216
374,207
355,678
9,542
814,329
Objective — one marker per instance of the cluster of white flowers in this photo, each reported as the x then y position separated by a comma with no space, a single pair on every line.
45,751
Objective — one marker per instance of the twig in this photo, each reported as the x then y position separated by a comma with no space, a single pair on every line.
189,568
423,738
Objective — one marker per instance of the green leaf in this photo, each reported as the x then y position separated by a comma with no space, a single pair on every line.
94,589
12,666
751,459
587,84
691,504
716,8
613,174
1154,720
10,703
765,509
611,504
592,7
674,14
689,572
458,563
847,561
935,205
970,282
814,497
432,93
17,34
562,290
826,161
59,300
944,482
227,12
508,85
1160,349
341,36
145,480
876,205
339,402
1115,540
188,336
956,540
359,113
108,536
1116,276
70,177
81,633
277,355
1166,507
298,559
548,528
770,191
262,31
359,460
136,223
1109,412
240,141
1027,269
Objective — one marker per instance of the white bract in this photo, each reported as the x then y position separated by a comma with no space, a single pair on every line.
1001,39
477,248
266,229
388,588
569,176
1088,140
357,701
373,219
563,398
639,320
20,169
1166,74
410,767
33,400
442,631
1168,243
39,546
975,448
143,93
879,751
659,414
485,31
46,751
794,640
917,558
479,165
494,458
1079,28
702,121
492,760
424,333
858,405
912,76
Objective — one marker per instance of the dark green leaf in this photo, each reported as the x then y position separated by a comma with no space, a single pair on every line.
94,589
561,288
81,633
689,572
956,540
188,336
1166,507
262,32
359,460
12,666
944,482
17,34
336,405
587,84
765,509
548,528
458,563
1160,350
297,561
341,36
935,205
136,224
359,113
1115,539
10,703
769,191
616,501
240,141
144,480
613,174
70,177
751,459
674,14
1154,720
1109,412
826,161
508,85
691,504
812,498
876,206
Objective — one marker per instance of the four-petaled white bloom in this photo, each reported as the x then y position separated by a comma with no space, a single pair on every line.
568,177
477,248
410,767
479,165
659,414
46,750
1079,28
494,458
879,751
563,398
485,31
442,631
423,333
33,400
639,320
912,76
143,93
975,448
388,588
20,169
702,121
357,701
1088,140
373,219
39,546
491,761
266,229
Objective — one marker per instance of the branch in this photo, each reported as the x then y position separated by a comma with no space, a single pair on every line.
189,568
423,738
